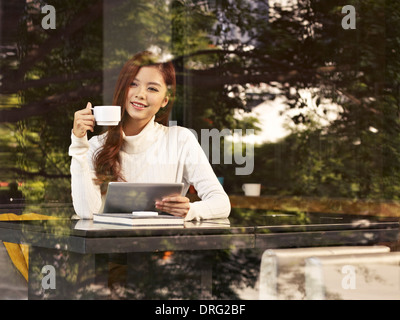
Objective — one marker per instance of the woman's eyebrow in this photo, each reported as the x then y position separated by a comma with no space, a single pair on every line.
154,84
149,83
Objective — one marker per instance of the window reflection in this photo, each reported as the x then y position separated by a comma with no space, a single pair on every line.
322,100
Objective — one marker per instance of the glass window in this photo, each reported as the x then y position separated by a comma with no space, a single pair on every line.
301,97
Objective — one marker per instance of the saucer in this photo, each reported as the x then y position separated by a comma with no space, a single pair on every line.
107,123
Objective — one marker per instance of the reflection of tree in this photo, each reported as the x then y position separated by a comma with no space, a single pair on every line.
56,72
304,48
179,276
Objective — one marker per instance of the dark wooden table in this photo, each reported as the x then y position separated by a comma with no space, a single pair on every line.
216,259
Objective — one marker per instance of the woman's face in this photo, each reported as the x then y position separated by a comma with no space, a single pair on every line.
146,94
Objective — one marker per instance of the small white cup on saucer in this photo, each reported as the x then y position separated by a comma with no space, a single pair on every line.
107,115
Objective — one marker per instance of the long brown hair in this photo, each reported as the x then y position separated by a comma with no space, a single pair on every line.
107,159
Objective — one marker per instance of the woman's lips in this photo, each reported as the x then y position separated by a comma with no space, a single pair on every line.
139,106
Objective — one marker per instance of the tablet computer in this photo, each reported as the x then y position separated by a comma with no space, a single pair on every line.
126,197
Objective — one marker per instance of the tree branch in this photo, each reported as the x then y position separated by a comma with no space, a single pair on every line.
12,87
41,107
40,173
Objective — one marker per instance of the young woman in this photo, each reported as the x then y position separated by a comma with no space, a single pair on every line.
142,148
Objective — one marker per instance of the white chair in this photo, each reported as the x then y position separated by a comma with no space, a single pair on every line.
282,270
368,276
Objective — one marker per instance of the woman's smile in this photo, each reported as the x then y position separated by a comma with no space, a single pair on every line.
138,105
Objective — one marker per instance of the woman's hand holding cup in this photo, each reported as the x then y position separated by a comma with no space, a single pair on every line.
83,121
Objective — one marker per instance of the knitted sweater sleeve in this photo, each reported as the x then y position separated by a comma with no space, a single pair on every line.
86,195
198,172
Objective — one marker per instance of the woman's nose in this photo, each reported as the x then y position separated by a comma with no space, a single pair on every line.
140,93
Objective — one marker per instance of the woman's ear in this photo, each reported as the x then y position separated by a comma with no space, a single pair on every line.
165,101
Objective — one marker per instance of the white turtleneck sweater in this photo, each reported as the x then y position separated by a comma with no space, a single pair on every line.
157,154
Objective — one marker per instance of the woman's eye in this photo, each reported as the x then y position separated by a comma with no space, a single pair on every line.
133,84
153,89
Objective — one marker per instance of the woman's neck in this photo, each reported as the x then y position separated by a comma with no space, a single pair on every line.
133,127
142,140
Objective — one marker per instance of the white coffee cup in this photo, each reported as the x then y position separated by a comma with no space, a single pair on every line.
107,115
252,189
